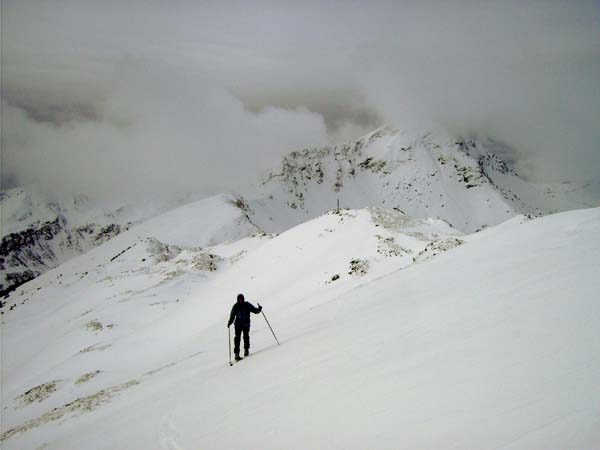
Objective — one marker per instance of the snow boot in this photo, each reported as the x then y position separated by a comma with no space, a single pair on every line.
246,353
238,357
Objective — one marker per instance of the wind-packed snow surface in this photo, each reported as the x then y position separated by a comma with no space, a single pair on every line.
395,331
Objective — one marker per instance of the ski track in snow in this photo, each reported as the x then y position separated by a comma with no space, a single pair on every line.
169,436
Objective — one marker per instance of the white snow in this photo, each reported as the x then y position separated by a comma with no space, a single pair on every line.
40,230
429,339
424,174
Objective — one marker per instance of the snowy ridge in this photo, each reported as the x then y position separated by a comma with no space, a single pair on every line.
395,331
433,314
152,322
41,231
138,288
424,175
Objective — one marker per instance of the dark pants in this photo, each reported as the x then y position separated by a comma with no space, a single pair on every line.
238,334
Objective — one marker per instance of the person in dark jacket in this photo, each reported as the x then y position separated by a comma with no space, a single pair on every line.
240,313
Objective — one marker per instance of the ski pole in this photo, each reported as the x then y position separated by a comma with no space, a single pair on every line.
229,332
263,313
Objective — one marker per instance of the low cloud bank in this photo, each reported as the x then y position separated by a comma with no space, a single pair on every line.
153,99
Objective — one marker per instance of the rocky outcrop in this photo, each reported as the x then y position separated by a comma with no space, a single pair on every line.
28,253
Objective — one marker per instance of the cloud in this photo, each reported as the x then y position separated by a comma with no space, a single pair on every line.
525,75
157,132
149,98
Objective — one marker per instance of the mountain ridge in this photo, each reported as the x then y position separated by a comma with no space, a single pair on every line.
383,319
423,175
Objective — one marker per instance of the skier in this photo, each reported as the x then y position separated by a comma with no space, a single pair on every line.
241,313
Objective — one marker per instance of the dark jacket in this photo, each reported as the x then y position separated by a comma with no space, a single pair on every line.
241,313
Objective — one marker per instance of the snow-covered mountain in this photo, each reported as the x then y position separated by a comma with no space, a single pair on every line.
424,175
395,331
434,309
40,231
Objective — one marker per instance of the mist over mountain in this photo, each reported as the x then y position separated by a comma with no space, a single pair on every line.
423,175
412,331
149,99
409,189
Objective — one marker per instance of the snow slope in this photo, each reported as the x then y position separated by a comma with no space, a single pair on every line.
462,181
429,174
40,231
396,332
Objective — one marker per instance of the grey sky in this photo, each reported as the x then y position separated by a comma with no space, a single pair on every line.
145,97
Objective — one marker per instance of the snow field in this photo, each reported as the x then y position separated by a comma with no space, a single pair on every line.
490,344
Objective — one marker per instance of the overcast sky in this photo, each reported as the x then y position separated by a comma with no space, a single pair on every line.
147,97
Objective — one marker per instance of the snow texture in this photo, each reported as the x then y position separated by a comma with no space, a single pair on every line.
433,309
422,174
395,331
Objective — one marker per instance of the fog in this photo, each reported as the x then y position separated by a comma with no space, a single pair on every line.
158,98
